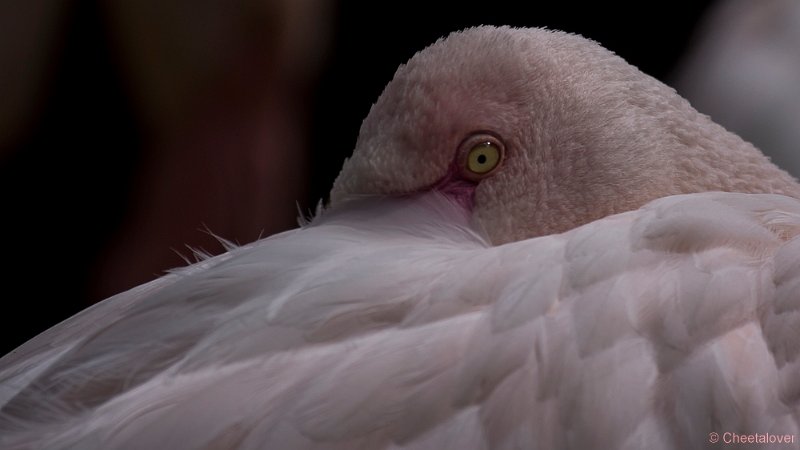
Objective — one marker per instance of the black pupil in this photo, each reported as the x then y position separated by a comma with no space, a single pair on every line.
481,159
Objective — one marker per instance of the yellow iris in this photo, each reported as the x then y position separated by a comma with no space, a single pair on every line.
483,157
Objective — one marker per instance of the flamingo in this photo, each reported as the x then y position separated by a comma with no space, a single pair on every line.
534,245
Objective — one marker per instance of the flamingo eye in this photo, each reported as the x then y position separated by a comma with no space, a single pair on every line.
483,157
481,154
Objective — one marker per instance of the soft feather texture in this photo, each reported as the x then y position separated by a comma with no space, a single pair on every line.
587,135
392,324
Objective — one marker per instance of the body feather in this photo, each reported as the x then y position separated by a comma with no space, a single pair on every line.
393,324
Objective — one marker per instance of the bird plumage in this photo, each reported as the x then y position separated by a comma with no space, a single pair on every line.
587,135
393,324
421,310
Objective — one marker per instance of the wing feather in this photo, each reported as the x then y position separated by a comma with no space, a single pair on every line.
392,324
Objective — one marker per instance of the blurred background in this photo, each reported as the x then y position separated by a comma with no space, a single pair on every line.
129,130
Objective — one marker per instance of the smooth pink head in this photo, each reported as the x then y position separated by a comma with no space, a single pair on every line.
581,135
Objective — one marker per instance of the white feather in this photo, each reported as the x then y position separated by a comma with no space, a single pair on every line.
391,323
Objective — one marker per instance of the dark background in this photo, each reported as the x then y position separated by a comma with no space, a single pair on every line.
68,178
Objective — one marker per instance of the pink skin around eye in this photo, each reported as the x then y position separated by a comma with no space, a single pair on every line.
456,187
455,184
